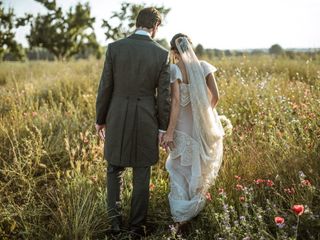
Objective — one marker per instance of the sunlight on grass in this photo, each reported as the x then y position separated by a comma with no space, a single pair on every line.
53,174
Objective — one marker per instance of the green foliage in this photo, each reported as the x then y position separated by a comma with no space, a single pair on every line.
199,50
164,43
8,23
64,34
52,172
37,53
276,49
122,23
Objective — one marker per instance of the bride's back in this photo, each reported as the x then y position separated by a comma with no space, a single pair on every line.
183,71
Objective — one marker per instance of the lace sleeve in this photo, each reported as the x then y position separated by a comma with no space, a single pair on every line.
175,73
207,68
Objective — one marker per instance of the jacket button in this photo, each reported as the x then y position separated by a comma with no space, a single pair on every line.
138,99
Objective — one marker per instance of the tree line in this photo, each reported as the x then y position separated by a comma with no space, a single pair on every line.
62,35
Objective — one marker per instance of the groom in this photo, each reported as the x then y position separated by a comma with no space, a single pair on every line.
133,108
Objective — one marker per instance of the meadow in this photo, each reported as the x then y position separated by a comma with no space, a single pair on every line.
52,172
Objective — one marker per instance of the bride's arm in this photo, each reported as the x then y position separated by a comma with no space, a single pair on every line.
175,103
212,85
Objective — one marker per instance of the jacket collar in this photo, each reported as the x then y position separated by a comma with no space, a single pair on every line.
140,37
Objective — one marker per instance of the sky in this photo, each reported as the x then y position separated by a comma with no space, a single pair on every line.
222,24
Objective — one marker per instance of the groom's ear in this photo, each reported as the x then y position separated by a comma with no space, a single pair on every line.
156,27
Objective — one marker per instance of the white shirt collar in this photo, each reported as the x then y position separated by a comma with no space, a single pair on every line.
143,32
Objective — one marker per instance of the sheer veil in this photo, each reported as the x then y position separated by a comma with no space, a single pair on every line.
207,128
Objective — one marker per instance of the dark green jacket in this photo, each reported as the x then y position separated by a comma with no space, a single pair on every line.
133,100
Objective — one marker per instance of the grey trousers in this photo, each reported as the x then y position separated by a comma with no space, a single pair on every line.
139,199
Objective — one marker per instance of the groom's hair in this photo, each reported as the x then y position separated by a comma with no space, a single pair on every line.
148,18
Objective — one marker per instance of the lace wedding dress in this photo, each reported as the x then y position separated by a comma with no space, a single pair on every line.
195,161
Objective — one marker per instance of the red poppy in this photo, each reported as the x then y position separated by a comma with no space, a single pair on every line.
306,182
289,190
270,183
208,196
279,220
258,181
298,209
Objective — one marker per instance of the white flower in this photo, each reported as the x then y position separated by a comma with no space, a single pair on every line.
302,176
228,128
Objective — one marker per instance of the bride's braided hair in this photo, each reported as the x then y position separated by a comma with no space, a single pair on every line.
173,41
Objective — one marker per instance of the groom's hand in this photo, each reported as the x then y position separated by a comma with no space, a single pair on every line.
168,142
160,137
101,131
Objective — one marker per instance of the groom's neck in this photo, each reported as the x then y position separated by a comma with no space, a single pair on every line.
144,29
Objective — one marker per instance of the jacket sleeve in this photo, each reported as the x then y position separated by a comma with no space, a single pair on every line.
105,90
163,95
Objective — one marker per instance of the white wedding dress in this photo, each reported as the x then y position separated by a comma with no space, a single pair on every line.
196,159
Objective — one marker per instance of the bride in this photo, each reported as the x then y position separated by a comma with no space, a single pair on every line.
194,135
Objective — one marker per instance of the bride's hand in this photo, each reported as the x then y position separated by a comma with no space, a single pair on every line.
167,142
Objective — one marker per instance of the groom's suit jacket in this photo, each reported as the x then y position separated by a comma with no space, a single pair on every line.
133,100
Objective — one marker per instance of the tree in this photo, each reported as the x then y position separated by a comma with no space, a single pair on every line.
199,50
218,53
276,49
122,23
163,42
227,53
64,34
8,44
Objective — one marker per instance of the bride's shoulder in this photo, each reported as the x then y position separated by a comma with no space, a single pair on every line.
207,67
175,72
174,68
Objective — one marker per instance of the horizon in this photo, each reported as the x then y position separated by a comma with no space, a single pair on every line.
243,25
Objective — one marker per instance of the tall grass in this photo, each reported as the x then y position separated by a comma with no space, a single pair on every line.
52,172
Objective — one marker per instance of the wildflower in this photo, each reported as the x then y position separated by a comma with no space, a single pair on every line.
258,181
221,191
172,228
270,183
34,114
228,128
307,209
290,190
151,186
242,198
225,208
279,221
302,175
239,187
306,183
298,209
208,196
237,177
